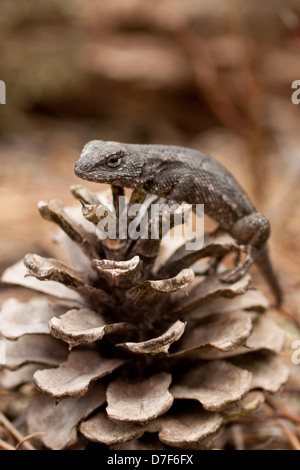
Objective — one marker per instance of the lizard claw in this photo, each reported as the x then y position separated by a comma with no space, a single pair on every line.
233,275
241,268
212,266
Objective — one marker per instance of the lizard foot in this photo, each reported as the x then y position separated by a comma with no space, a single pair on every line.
212,266
241,268
233,275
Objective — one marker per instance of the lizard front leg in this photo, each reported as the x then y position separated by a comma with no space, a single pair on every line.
182,191
252,231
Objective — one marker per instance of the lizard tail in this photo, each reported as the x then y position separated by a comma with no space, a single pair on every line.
265,266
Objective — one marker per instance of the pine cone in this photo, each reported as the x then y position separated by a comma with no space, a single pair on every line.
131,347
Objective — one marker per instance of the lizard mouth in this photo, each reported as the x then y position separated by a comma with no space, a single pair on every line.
89,175
78,172
82,172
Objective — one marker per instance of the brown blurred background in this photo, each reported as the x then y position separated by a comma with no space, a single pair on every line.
214,75
211,75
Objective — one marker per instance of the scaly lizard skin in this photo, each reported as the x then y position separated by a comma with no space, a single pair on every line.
184,175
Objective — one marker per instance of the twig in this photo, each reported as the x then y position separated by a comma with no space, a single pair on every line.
290,315
238,438
281,410
15,432
30,436
264,444
207,80
290,435
4,432
4,445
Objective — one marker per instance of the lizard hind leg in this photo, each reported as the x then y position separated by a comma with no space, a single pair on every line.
251,231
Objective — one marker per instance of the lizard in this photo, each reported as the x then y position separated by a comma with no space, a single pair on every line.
181,174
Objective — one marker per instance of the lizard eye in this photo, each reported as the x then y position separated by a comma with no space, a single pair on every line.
113,160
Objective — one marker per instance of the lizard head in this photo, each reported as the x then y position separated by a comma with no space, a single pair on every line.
109,162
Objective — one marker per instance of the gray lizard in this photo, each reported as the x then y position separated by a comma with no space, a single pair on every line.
184,175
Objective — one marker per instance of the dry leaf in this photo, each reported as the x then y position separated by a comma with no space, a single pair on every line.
215,385
89,243
15,275
252,300
149,293
82,326
121,272
266,335
213,246
60,421
186,430
13,378
36,349
244,407
268,371
209,290
18,319
102,430
48,269
221,332
158,345
72,378
140,401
